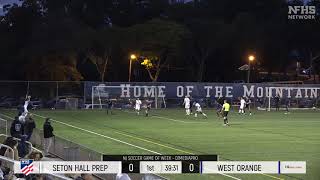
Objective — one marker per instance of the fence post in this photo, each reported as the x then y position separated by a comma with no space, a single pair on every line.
57,93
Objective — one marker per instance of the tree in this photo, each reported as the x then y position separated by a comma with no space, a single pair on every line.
159,42
54,67
103,44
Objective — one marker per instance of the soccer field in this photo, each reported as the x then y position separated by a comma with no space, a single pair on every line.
264,136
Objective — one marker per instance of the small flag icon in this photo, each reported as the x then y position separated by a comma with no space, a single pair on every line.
26,166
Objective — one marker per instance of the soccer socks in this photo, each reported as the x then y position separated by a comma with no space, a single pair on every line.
226,121
187,112
241,111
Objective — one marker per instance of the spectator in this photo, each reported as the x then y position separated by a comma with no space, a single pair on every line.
85,177
48,136
23,147
13,144
5,142
30,125
1,172
16,129
35,155
122,176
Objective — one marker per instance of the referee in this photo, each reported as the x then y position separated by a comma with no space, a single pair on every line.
226,109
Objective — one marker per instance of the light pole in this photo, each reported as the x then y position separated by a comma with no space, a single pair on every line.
132,57
251,58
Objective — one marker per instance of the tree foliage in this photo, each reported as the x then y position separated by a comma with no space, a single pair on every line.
200,41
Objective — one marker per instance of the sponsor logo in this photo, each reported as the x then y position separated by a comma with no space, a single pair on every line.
301,12
26,166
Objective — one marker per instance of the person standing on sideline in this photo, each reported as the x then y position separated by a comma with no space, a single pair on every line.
226,109
48,136
30,125
17,128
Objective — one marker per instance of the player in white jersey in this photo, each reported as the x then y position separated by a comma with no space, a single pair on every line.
26,104
199,110
242,105
22,117
186,103
138,106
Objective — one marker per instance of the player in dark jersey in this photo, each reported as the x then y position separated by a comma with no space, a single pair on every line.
148,107
218,109
287,106
249,102
277,102
109,105
218,104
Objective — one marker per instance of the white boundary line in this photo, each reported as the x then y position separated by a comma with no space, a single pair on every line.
91,132
114,139
170,119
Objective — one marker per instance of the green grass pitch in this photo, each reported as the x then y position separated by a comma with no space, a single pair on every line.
261,137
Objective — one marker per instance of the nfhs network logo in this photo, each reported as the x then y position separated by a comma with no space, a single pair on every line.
301,12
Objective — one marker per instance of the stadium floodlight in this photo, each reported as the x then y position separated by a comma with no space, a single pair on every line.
132,57
251,58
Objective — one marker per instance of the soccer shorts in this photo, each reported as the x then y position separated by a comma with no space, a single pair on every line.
225,113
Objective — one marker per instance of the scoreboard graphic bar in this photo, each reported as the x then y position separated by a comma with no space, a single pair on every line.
162,164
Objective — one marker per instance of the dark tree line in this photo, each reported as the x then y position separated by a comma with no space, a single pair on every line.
205,40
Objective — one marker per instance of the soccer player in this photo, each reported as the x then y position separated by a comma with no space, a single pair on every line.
138,106
22,117
249,105
199,110
109,106
219,103
26,104
277,102
242,106
287,106
148,107
226,109
186,103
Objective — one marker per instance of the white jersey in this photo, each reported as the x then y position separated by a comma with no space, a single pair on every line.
186,103
22,118
25,106
138,104
198,107
242,103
